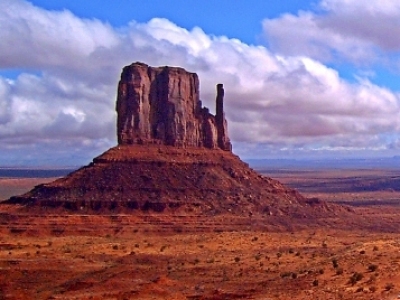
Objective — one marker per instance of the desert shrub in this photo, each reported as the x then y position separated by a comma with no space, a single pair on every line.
360,289
286,274
257,257
335,263
355,278
372,268
372,289
339,271
115,247
279,254
163,248
375,248
321,271
294,275
389,286
291,251
315,282
237,259
254,239
362,252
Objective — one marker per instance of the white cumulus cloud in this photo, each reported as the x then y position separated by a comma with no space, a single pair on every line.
358,31
64,99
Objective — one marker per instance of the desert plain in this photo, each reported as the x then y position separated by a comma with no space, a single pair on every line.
157,256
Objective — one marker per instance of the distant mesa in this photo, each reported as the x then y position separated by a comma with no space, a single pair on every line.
162,105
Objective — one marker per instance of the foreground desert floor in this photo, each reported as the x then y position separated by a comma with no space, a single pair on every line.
134,264
154,257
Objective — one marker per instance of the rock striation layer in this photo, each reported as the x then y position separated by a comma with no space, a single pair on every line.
162,106
170,180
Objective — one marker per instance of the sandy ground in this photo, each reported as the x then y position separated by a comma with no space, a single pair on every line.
109,257
17,186
135,264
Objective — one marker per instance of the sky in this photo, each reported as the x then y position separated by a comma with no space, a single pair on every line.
302,79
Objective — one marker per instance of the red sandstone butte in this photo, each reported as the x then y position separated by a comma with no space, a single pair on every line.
162,105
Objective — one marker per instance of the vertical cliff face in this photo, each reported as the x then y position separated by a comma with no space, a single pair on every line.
162,105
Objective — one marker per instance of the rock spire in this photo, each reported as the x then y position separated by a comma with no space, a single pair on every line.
161,105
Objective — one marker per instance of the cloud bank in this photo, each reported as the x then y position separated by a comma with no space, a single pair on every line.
357,31
279,99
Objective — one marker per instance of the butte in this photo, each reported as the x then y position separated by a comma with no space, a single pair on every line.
173,158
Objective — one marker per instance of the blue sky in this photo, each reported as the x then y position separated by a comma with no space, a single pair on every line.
302,78
235,19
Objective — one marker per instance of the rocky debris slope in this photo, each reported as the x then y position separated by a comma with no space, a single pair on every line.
167,179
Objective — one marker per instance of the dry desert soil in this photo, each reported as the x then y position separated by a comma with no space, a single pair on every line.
152,256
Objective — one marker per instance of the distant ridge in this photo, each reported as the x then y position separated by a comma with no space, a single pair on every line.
327,163
34,172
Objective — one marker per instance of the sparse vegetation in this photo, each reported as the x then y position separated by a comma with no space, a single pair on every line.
372,268
335,263
355,278
339,271
389,286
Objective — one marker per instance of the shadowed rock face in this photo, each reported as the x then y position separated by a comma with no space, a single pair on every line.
162,106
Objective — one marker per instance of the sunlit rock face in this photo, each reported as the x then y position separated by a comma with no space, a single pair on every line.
161,105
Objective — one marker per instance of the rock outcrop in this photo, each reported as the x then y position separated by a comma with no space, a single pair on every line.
173,157
162,106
